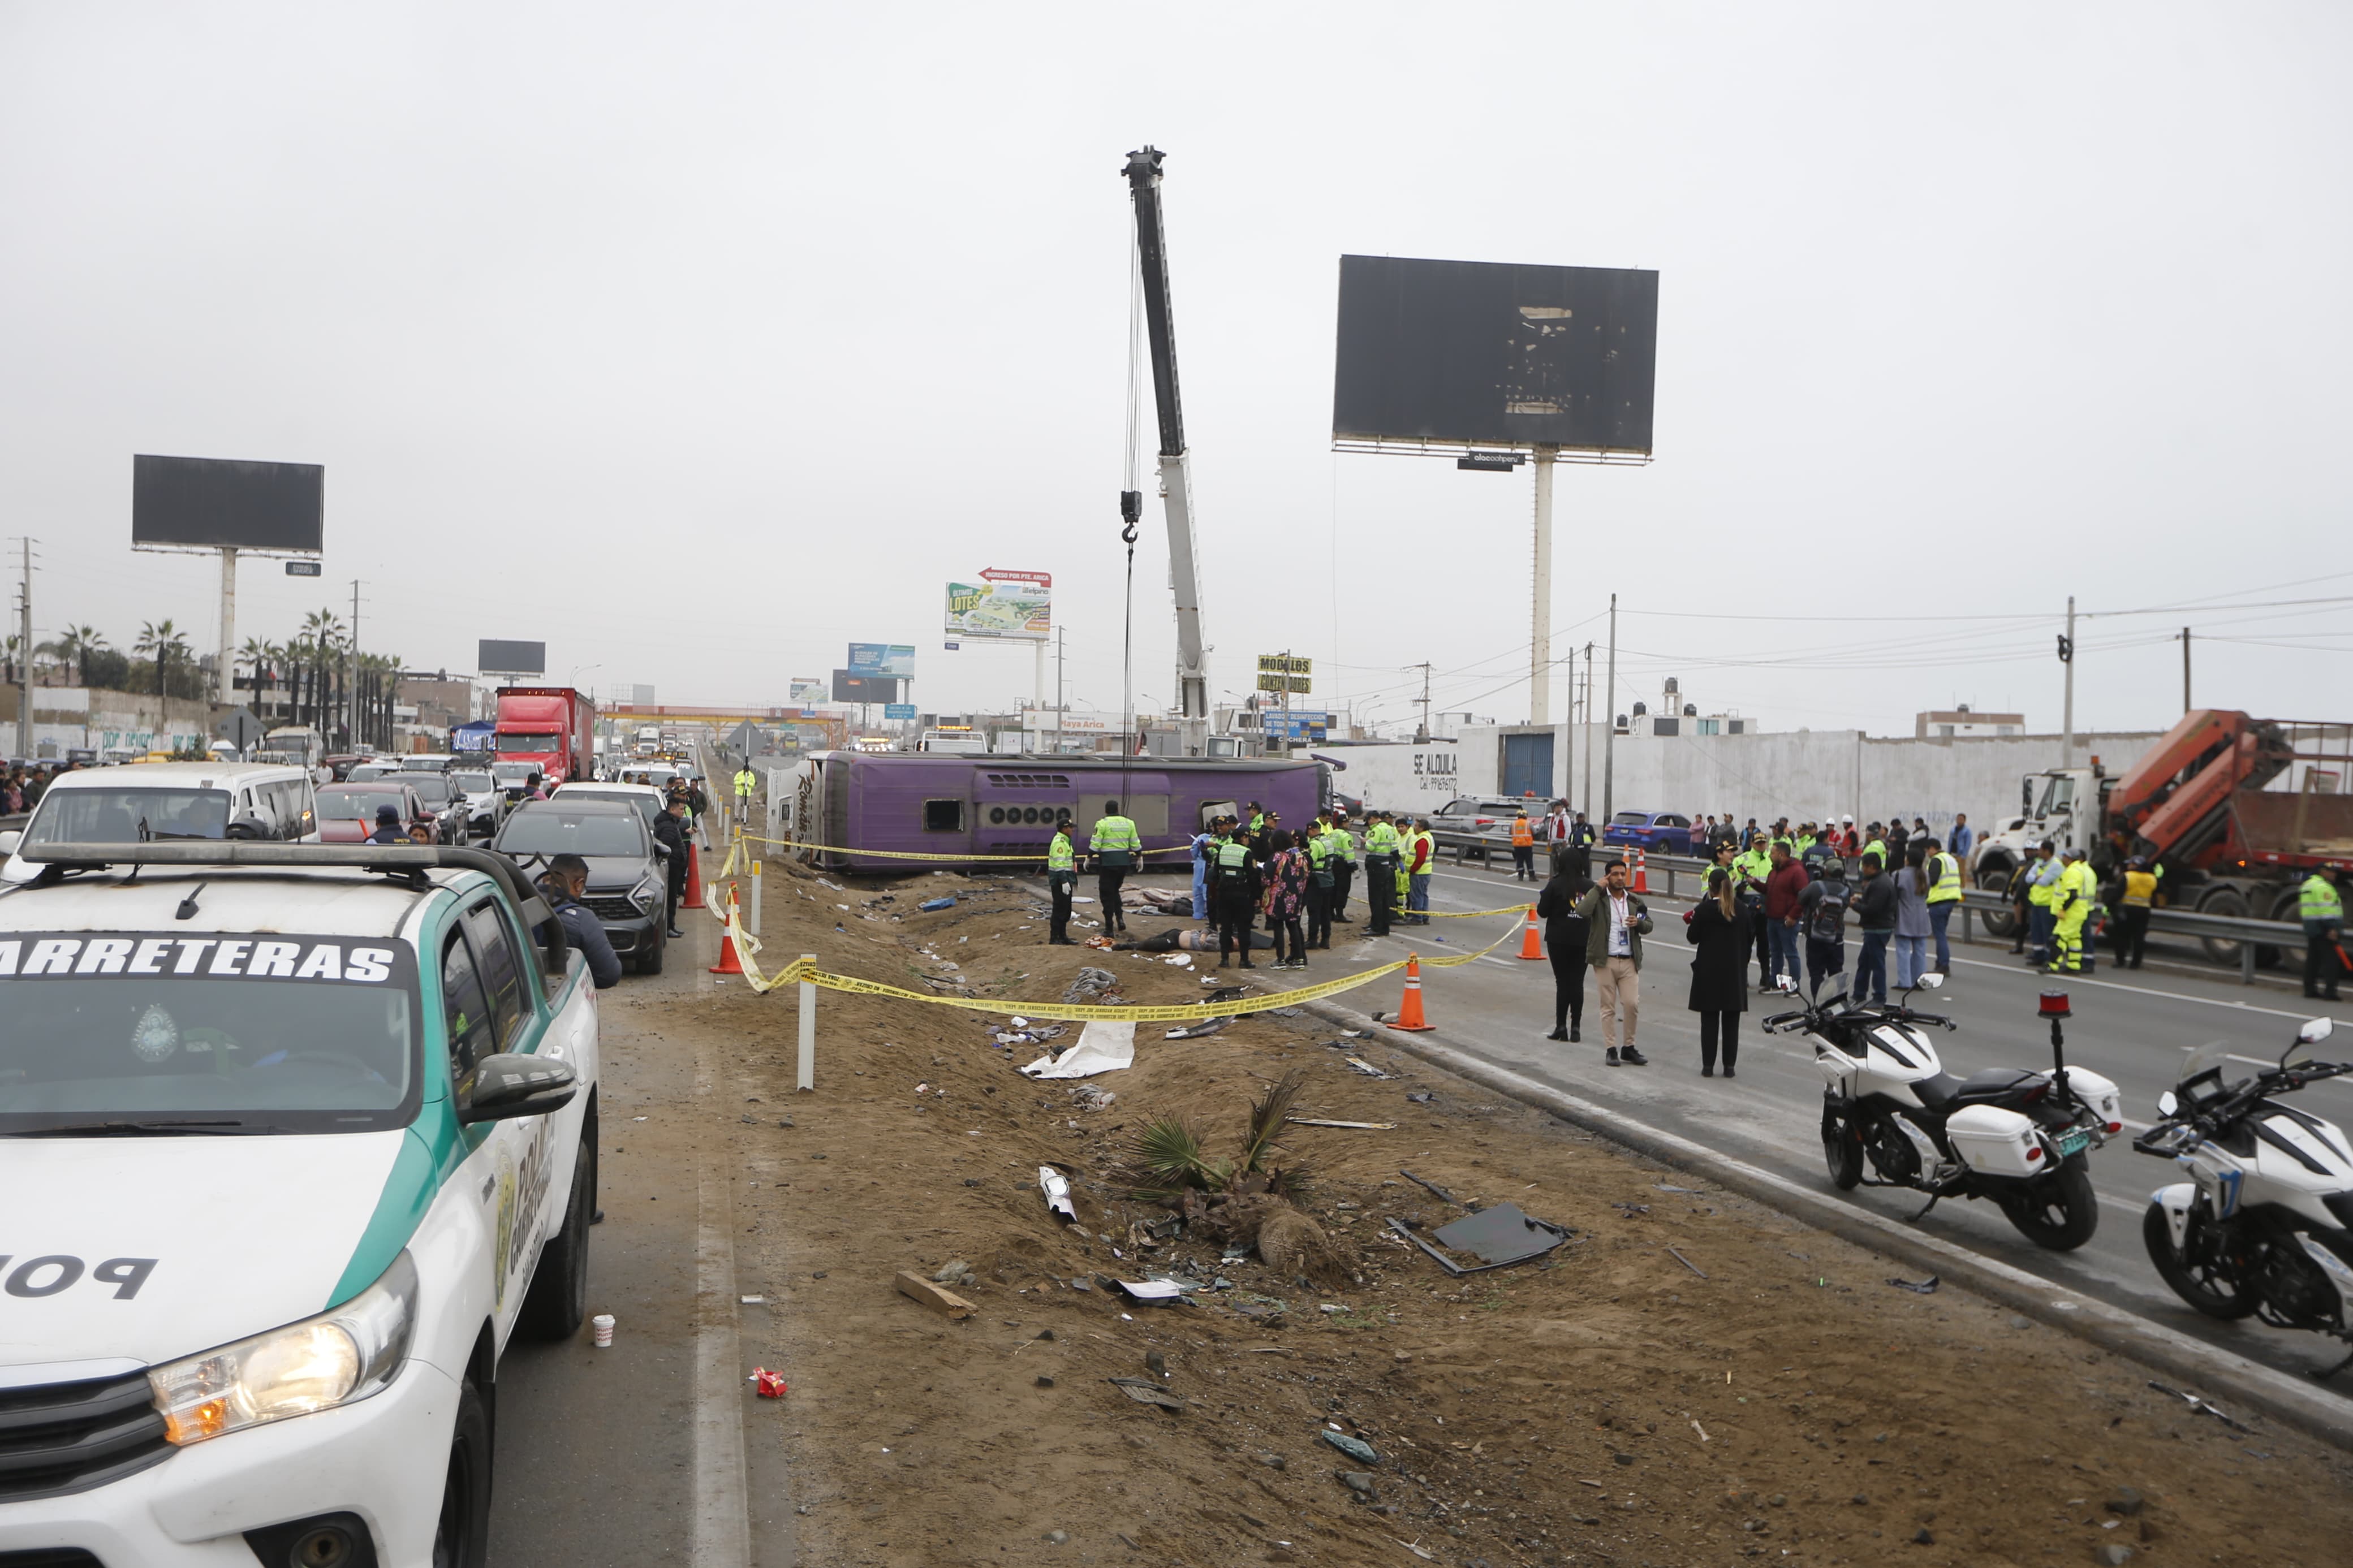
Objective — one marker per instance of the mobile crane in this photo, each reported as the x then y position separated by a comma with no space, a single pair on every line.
1142,171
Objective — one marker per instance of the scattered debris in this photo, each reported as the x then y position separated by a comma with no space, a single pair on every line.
1354,1448
933,906
1358,1126
1146,1292
2203,1408
1196,1031
1090,984
1631,1210
1439,1191
1921,1287
1147,1391
1057,1188
1501,1236
1362,1066
1687,1263
1102,1047
945,1302
767,1385
1666,1188
1701,1430
1093,1097
958,1272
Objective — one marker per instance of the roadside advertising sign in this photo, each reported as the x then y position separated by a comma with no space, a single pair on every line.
883,659
808,690
1002,605
898,712
1297,724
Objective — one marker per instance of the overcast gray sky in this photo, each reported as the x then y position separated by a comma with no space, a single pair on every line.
699,340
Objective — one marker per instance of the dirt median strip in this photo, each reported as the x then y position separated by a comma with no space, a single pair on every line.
2223,1373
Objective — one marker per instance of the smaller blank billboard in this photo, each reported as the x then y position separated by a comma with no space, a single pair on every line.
213,503
512,658
864,686
1495,354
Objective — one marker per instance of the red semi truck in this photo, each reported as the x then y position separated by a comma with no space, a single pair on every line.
553,728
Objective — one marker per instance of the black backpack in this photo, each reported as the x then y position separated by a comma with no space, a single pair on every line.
1828,920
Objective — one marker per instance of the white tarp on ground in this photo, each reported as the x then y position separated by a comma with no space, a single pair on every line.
1103,1046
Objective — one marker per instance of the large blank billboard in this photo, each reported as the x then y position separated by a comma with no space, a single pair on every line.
214,502
1495,354
512,658
864,686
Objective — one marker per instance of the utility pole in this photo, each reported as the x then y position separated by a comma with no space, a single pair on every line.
1421,736
2185,669
1540,628
352,675
2067,658
1609,715
25,656
1588,805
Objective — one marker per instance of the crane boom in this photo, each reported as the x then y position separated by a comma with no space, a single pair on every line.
1176,480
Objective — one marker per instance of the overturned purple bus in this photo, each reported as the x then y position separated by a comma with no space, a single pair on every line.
951,806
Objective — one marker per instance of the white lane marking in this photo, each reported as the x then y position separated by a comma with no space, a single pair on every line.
722,1522
2140,990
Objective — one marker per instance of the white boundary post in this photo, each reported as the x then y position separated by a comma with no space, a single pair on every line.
809,1028
755,898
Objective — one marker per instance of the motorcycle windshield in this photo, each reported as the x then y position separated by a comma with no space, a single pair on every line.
2202,1073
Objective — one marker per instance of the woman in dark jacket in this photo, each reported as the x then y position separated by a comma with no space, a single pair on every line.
1565,941
1719,991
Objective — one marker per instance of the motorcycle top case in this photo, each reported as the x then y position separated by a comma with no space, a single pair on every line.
1995,1143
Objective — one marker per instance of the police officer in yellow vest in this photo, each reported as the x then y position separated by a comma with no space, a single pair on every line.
1233,895
1319,883
1344,863
1061,878
2043,874
746,781
1115,845
1944,898
2072,896
2322,908
2134,892
1381,848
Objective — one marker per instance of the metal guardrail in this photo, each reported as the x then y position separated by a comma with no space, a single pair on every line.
2247,934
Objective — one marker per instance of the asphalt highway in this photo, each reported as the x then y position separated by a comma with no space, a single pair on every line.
2134,1027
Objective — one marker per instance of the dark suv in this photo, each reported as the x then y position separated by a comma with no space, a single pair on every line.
629,878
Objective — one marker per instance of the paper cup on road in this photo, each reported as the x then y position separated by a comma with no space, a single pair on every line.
603,1324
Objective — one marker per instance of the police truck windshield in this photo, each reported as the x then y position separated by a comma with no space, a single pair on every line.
128,816
134,1033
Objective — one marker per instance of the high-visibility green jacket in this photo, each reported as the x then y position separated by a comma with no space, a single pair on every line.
2318,899
2078,885
1344,844
1381,840
1115,838
746,780
1879,848
1753,866
1059,857
1946,871
2042,880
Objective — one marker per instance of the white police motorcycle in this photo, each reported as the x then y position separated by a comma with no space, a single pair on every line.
2013,1135
2264,1227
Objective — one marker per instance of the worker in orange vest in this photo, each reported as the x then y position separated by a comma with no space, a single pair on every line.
1524,848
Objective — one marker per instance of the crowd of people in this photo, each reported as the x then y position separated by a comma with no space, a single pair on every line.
22,788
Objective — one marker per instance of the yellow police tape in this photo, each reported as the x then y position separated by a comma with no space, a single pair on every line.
801,971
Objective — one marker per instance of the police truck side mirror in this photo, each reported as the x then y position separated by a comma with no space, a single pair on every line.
507,1086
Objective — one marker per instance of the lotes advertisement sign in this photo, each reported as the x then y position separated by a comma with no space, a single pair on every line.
1002,605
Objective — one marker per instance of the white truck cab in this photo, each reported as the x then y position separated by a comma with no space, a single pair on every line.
295,1140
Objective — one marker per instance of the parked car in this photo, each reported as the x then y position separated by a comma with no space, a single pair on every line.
486,803
1658,832
514,778
162,801
628,879
445,800
648,801
1481,826
347,811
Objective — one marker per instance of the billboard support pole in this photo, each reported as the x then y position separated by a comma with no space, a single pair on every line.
226,675
1540,635
25,657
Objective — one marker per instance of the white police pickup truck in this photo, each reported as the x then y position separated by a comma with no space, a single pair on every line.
293,1140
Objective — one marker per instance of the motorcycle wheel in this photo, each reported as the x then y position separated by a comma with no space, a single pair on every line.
2061,1212
1842,1151
2214,1294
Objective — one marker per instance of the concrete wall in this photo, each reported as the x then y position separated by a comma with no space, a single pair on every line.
1801,774
67,717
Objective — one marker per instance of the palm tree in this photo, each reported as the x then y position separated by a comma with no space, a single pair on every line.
162,642
74,645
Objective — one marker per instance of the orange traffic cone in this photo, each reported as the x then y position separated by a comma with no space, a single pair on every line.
1532,939
1410,1010
1641,872
728,963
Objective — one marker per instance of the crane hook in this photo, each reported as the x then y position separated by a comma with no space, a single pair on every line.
1131,509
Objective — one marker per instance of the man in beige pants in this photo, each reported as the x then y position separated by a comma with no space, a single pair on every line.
1615,920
